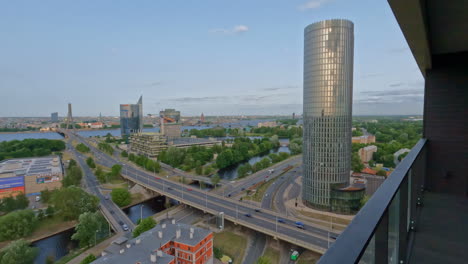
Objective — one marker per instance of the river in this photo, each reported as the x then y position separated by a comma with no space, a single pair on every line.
55,246
116,132
147,208
230,172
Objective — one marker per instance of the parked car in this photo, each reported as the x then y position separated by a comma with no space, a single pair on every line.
38,198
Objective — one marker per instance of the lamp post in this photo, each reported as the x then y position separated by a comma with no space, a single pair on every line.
95,237
141,213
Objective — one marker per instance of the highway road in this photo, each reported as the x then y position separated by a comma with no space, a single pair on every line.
92,185
243,184
313,237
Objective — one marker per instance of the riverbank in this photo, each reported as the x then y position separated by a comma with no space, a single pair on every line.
47,228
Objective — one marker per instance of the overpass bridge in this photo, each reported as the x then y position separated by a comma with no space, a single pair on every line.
313,237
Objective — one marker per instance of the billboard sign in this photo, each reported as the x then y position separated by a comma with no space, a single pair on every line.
11,182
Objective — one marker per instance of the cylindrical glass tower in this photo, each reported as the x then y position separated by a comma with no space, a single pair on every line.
328,94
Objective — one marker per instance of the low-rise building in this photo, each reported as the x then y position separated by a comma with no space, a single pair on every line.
367,153
267,124
30,175
147,144
167,243
366,139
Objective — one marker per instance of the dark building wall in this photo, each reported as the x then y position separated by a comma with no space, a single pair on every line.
446,123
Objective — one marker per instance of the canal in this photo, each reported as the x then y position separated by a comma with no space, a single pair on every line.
55,247
146,208
230,173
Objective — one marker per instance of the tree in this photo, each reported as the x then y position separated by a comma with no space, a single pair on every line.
45,195
17,224
121,196
124,154
144,225
215,179
82,148
382,173
116,169
70,202
356,164
90,258
199,170
90,163
18,252
263,260
50,211
89,224
217,252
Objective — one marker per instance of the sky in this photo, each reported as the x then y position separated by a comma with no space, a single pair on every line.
216,57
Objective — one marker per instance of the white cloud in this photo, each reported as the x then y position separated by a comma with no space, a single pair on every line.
312,4
240,28
235,30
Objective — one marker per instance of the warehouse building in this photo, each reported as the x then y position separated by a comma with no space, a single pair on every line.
30,175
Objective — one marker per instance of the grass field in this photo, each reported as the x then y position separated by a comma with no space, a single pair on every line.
231,244
273,255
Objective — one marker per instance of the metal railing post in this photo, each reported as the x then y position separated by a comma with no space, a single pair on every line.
381,240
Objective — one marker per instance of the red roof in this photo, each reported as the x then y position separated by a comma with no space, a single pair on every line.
369,171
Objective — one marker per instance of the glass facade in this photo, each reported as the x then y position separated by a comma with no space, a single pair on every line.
131,118
328,90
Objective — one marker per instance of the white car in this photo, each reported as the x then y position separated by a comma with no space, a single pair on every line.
38,198
125,227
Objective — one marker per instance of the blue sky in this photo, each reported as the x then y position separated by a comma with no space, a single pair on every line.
219,57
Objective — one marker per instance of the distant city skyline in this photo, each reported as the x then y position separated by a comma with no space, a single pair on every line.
241,58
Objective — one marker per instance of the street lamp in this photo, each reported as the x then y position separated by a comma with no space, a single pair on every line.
141,213
95,237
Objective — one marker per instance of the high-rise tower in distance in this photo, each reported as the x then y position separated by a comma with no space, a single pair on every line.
328,90
131,118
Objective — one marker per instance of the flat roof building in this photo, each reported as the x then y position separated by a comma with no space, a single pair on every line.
54,117
147,144
366,153
30,175
167,243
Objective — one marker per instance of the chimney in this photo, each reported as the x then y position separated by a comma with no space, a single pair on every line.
173,221
122,251
159,253
160,234
128,245
191,235
137,241
153,257
192,230
164,225
178,233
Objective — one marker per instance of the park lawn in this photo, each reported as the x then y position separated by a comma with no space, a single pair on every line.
308,257
231,244
273,255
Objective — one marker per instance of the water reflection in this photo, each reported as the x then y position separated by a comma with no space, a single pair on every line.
55,246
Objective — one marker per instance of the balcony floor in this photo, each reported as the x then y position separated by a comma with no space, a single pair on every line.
442,231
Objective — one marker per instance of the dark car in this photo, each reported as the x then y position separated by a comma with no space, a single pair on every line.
281,221
333,236
121,223
111,211
243,189
229,195
169,188
257,210
248,215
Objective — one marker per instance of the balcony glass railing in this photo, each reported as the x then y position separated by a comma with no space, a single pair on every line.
382,230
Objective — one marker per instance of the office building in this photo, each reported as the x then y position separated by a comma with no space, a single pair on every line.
167,243
328,89
131,118
419,214
172,130
366,153
30,175
54,117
